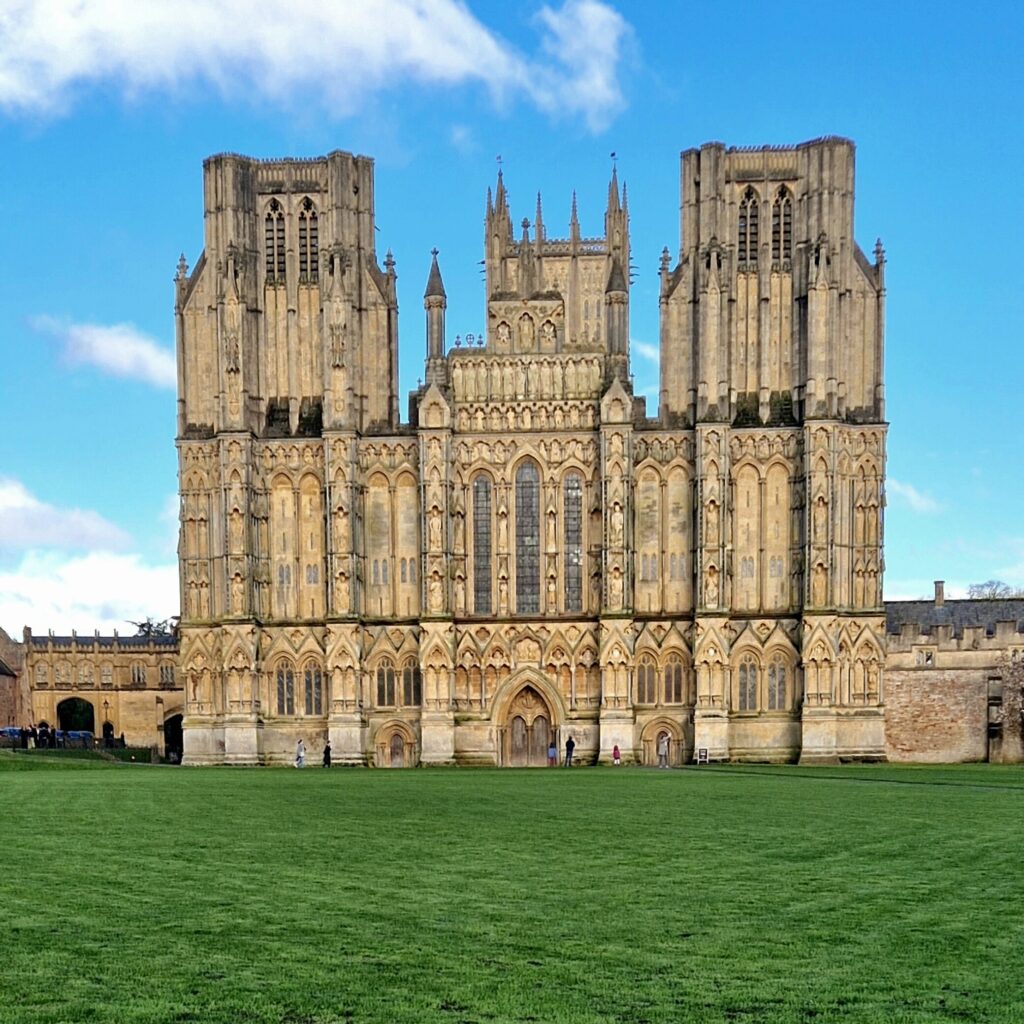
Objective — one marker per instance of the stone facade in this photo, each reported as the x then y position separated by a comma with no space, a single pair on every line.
953,677
15,704
532,556
111,685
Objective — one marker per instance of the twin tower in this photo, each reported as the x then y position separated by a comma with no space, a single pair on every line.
532,556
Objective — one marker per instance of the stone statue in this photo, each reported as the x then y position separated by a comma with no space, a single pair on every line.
435,529
617,524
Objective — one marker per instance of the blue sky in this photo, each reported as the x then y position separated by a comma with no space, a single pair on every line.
107,111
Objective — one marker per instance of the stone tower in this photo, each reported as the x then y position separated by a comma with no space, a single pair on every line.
287,339
771,352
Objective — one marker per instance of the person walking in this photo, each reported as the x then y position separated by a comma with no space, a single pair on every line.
570,746
327,754
300,754
616,756
663,750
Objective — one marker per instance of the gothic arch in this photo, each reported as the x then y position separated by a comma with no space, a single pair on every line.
678,751
395,745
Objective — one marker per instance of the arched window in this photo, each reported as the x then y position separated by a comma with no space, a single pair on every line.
674,680
482,545
386,685
748,684
412,570
314,689
777,685
274,242
42,676
646,676
573,511
405,571
309,256
138,674
412,687
782,225
527,538
285,689
167,674
747,241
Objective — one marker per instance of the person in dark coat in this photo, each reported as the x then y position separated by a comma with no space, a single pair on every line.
570,746
327,754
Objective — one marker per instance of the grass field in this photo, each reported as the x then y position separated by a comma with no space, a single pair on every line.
138,894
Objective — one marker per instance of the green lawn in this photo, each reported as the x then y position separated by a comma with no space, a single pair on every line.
869,894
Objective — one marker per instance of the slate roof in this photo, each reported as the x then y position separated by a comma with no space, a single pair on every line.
958,614
88,639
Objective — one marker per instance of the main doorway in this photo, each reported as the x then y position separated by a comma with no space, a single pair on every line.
529,730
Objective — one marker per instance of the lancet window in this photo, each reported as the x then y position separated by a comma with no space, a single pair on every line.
777,685
274,243
482,546
747,239
314,686
646,681
412,686
573,510
527,539
386,685
285,689
748,684
309,256
782,225
674,680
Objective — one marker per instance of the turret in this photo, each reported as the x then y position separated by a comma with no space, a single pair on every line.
435,302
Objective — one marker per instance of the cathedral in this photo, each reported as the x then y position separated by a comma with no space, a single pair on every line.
532,557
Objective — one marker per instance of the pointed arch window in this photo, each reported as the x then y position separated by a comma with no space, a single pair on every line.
385,685
782,225
273,240
285,689
314,686
748,684
747,239
674,680
777,685
646,681
482,545
412,686
573,510
527,539
309,242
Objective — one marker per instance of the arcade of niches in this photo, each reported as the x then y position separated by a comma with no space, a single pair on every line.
532,556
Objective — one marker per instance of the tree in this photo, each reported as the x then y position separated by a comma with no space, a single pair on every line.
993,589
149,627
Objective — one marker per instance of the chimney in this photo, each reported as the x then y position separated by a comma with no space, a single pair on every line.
940,593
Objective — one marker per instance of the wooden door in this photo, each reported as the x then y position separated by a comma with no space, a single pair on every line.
519,751
397,751
540,733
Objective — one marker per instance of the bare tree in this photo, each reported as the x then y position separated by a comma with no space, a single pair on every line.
151,627
993,589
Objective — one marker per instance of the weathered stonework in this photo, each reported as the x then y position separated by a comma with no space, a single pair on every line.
532,557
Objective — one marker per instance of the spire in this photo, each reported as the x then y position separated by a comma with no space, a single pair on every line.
625,199
613,191
500,198
435,286
490,203
538,224
574,220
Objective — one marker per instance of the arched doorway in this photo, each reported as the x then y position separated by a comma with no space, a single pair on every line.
669,732
173,743
529,730
76,715
396,746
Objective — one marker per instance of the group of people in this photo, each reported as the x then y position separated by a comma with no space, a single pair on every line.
39,736
300,754
570,749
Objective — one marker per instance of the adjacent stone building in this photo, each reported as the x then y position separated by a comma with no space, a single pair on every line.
111,686
532,555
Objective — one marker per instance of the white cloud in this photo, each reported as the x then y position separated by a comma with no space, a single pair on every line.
917,500
103,591
338,51
26,522
120,349
646,350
